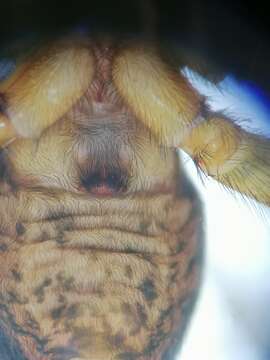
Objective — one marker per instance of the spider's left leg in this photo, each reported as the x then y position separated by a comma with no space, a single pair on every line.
44,87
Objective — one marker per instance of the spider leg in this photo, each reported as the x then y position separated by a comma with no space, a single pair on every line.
175,113
44,87
7,131
236,158
156,92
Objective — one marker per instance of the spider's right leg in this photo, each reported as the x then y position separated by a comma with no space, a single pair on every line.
175,113
156,92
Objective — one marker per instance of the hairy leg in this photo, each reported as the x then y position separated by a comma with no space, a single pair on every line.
44,88
164,101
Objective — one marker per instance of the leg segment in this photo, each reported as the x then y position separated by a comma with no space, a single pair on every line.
7,131
236,158
43,88
157,94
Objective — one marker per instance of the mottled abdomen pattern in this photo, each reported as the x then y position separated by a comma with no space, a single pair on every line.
108,283
100,235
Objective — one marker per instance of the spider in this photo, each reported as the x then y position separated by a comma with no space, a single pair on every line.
101,232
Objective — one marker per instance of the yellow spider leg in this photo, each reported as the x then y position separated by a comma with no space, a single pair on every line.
42,89
7,131
162,99
236,158
157,94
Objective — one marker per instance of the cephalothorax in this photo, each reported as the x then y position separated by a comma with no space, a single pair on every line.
100,231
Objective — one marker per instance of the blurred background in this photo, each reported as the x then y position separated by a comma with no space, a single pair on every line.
223,48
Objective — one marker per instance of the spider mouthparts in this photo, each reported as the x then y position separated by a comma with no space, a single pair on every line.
104,184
